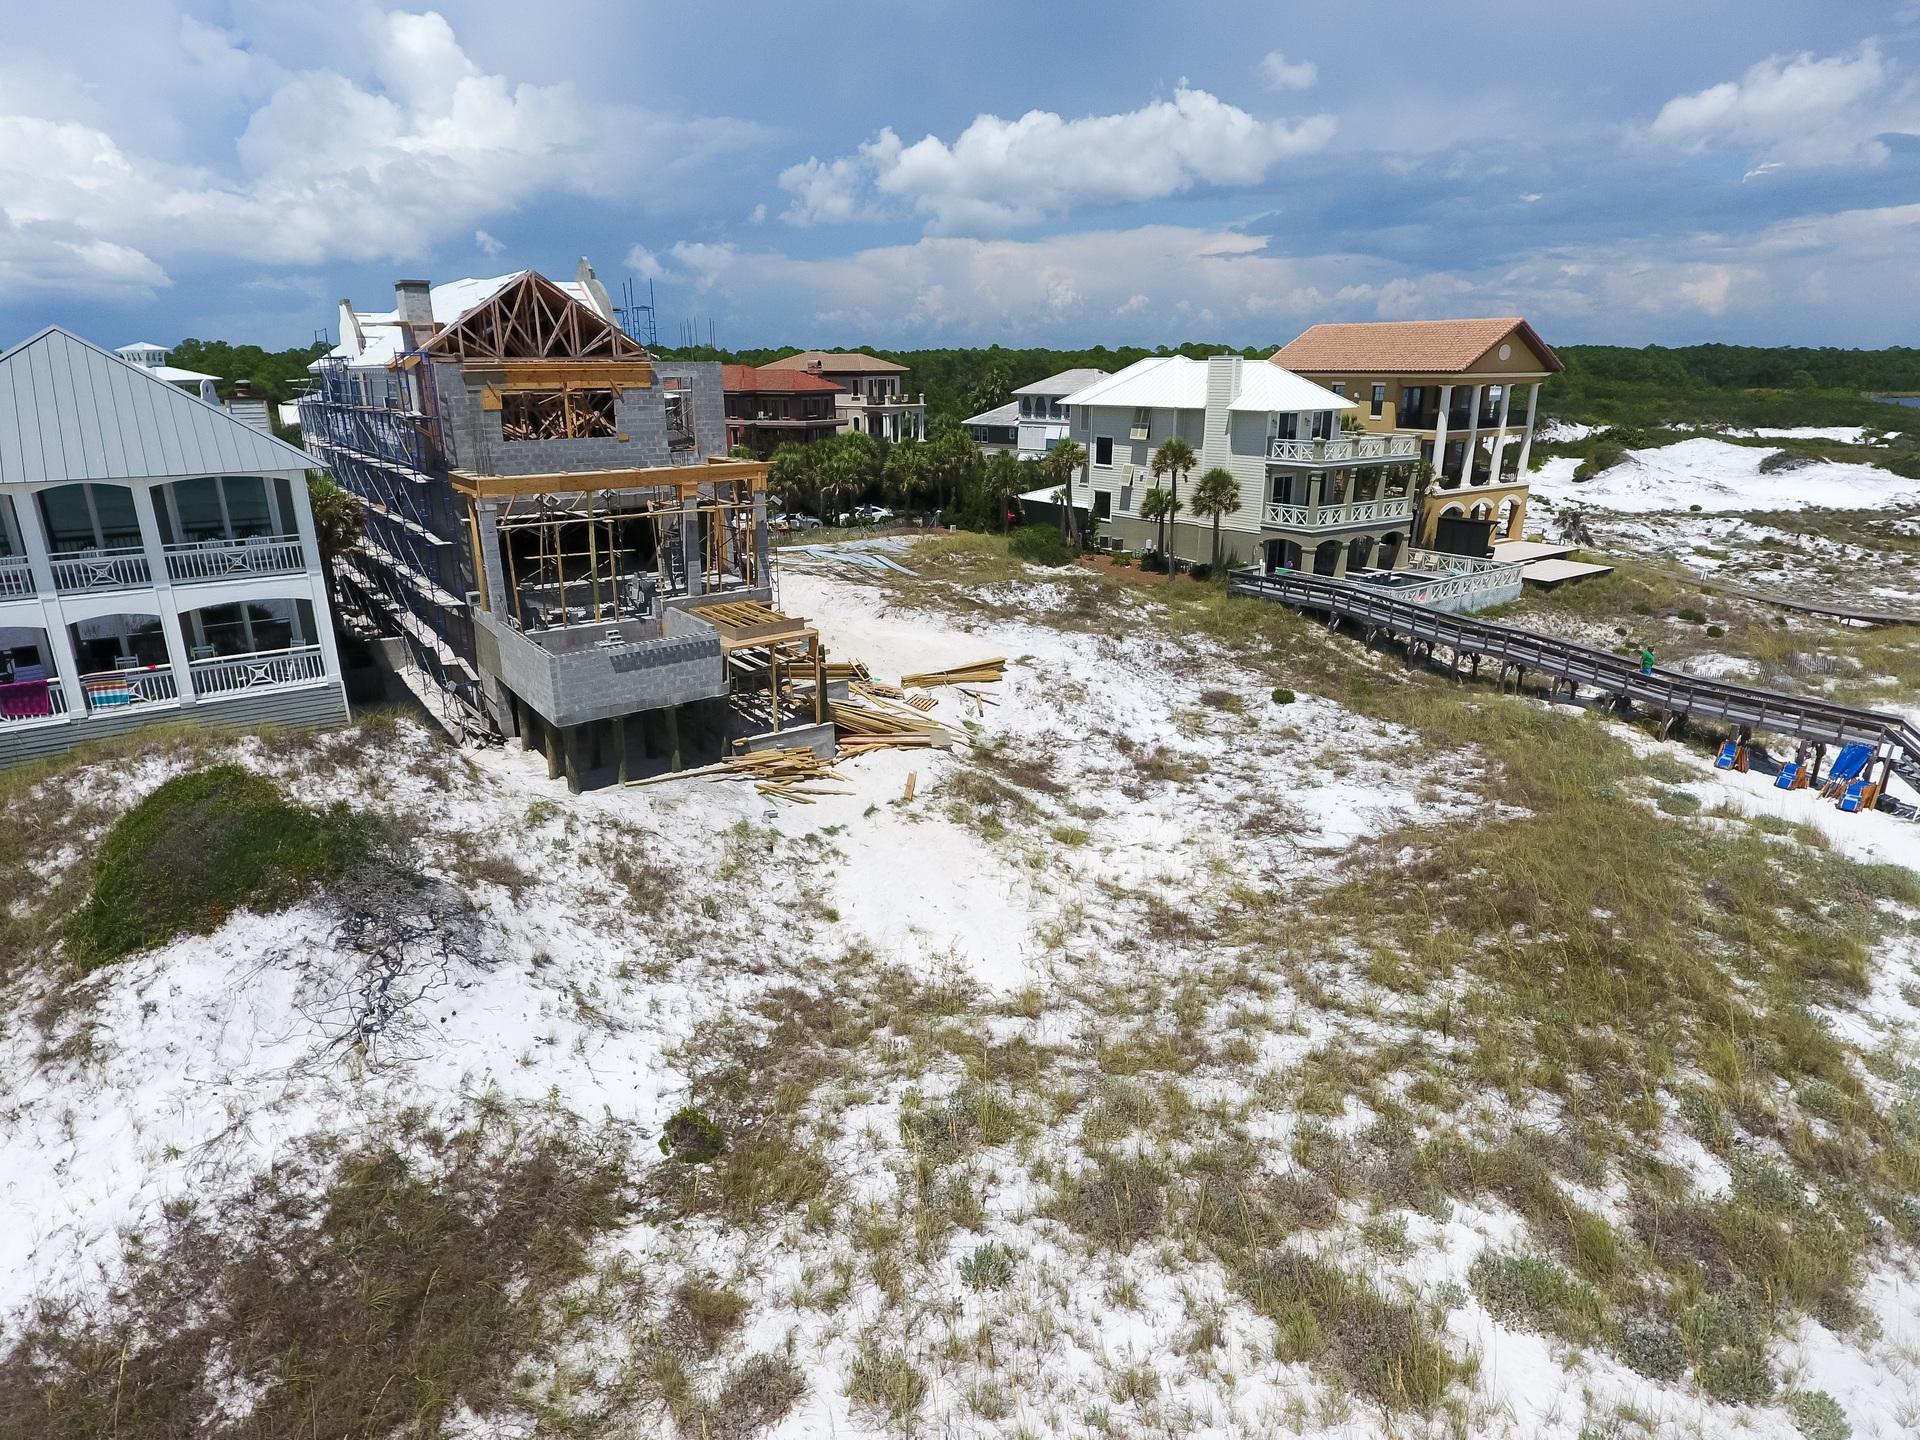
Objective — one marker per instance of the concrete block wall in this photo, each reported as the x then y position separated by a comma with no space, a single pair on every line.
473,442
601,683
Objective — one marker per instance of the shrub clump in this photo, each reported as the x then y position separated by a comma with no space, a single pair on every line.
202,846
989,1267
691,1138
1284,696
1039,545
1818,1415
1533,1292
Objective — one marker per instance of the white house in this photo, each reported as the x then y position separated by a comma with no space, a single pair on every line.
157,559
1043,413
1311,495
151,357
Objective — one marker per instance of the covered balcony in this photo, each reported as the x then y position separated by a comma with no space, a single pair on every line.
1344,449
30,689
123,662
259,645
228,527
93,538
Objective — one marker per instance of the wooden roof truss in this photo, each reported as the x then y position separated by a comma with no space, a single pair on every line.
533,319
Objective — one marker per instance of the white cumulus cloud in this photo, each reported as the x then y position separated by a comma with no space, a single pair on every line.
999,174
1284,74
486,244
1797,110
328,168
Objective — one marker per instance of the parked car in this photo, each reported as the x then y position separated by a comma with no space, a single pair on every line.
794,520
872,515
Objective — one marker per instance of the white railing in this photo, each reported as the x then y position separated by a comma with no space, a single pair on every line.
194,561
16,577
120,569
261,670
109,691
1344,449
1457,586
1418,559
26,702
1354,512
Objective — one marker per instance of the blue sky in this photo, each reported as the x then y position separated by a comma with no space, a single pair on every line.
926,173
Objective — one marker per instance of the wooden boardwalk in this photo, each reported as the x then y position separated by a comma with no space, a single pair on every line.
1742,709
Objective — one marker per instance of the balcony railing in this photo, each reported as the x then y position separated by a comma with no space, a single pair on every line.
1344,449
16,577
262,670
1354,512
196,561
25,702
111,691
905,398
82,570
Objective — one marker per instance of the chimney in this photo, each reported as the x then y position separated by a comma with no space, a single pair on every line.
413,299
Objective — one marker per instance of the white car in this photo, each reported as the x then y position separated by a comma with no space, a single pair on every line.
872,515
795,521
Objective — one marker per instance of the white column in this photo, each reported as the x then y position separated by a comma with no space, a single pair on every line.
1526,441
316,573
1500,439
1440,433
26,514
1473,434
163,597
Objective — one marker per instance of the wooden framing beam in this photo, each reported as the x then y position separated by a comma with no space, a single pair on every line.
686,478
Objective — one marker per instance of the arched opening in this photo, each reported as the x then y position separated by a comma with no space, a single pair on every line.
1388,556
1359,552
1507,526
1481,511
89,516
29,677
1282,555
251,646
224,508
122,661
1326,558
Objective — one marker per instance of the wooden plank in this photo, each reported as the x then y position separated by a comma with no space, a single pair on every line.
687,478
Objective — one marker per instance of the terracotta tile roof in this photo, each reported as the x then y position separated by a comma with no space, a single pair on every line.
833,362
1405,347
749,379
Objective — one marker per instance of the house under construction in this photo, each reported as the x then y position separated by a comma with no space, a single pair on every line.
552,531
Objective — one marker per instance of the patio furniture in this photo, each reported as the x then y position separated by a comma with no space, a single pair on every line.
107,691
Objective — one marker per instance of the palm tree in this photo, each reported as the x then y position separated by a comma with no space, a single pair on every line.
1063,462
338,520
1174,458
952,455
904,472
1001,483
1159,506
1217,494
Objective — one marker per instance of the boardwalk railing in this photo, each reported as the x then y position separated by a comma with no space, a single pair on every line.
1696,697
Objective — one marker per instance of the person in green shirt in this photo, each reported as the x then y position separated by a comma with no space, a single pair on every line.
1646,661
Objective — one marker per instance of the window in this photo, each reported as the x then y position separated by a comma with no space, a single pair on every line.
1103,450
1103,504
1286,427
1340,387
1379,400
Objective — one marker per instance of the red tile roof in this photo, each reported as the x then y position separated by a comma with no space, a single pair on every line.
1406,347
748,379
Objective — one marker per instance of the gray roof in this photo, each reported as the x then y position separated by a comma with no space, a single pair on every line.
1007,414
72,411
1065,383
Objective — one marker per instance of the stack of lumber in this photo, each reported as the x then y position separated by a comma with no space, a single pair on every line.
792,774
869,722
847,670
980,673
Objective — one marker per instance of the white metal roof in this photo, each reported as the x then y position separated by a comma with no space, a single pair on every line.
1007,414
1170,382
1267,387
1173,382
71,411
173,374
1065,383
140,345
1045,495
381,328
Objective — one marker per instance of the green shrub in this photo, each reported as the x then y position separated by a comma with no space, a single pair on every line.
1818,1415
691,1137
1715,632
1153,562
1200,572
1284,696
202,846
1039,545
1653,1348
989,1267
1691,615
1533,1292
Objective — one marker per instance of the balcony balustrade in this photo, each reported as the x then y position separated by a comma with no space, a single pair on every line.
198,561
1344,449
